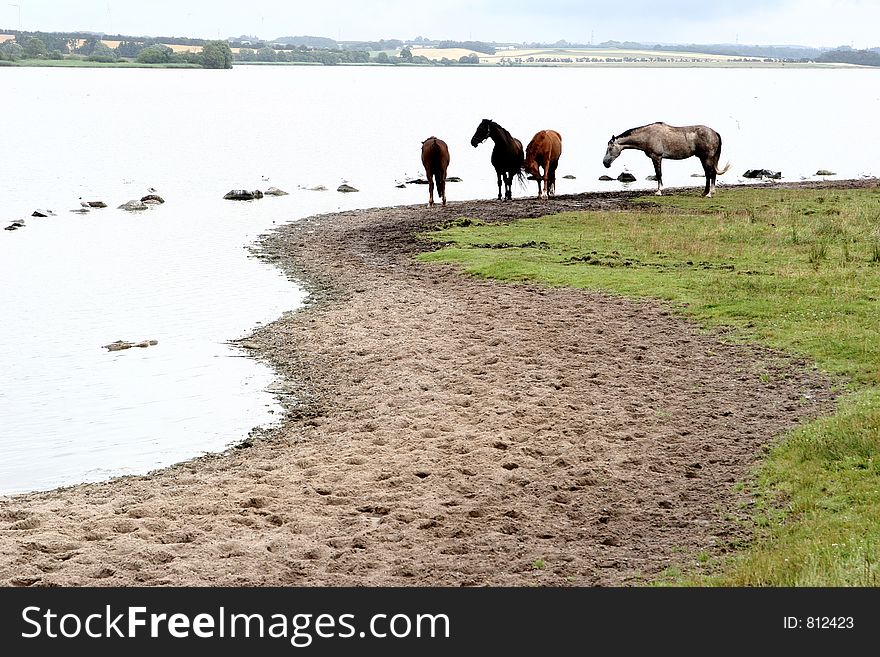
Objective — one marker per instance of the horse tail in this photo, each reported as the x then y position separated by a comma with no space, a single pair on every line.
722,171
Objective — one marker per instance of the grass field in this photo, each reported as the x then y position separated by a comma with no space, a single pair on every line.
798,270
84,63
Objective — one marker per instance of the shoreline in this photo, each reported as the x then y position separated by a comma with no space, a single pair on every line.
440,430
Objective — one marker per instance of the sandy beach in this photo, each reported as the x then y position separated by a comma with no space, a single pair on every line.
442,431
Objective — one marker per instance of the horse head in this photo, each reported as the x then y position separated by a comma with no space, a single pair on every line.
530,166
482,133
612,153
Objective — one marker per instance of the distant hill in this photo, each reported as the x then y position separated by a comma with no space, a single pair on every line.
308,42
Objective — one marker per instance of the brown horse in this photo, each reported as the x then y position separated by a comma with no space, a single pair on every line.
659,141
544,151
435,158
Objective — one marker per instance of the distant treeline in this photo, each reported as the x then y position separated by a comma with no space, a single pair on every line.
869,57
322,50
323,43
327,57
88,46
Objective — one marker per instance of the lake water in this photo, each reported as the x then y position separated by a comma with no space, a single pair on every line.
180,273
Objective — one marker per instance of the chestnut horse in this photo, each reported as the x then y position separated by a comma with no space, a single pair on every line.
435,158
659,141
544,151
507,156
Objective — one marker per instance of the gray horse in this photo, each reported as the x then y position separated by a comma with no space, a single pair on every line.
659,141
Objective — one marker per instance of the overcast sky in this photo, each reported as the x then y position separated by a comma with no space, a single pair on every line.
800,22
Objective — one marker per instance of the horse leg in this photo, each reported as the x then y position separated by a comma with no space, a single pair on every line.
499,184
551,185
441,187
710,179
713,163
430,190
658,160
508,185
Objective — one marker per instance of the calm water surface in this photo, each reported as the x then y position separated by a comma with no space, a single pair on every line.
180,273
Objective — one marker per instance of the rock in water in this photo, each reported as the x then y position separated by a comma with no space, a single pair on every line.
243,195
119,345
274,191
824,172
605,178
152,199
626,177
133,206
346,188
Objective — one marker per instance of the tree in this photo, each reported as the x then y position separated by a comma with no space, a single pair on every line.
11,50
469,59
381,58
102,53
35,49
155,55
87,46
246,55
216,54
265,54
130,49
406,54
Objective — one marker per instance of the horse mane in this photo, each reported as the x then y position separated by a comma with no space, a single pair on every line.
505,135
627,133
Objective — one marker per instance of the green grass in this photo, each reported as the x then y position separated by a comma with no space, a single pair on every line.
83,63
798,270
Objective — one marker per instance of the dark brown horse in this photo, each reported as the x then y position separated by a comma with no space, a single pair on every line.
544,151
435,158
659,141
507,156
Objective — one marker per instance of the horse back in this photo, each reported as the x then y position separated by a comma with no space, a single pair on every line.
545,146
435,155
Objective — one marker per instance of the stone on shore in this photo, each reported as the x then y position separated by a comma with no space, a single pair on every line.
762,173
